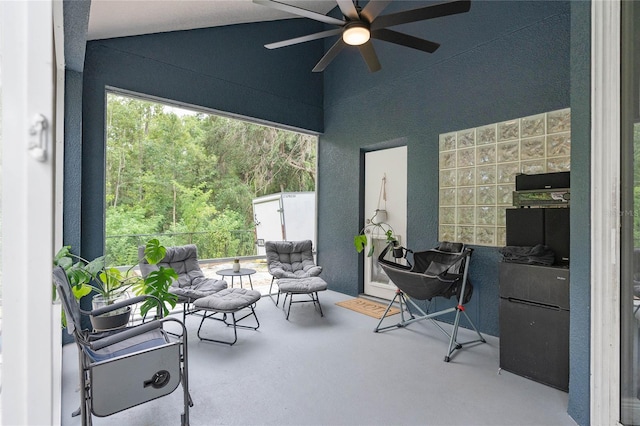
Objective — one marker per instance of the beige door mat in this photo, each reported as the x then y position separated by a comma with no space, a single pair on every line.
367,307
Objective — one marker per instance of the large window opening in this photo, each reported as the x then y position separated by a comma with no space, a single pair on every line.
189,177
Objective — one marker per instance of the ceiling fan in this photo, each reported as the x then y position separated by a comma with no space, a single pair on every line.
359,25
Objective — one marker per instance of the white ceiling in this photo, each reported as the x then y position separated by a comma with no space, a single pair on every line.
119,18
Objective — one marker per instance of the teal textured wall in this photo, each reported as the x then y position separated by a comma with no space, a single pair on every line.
580,328
501,60
225,69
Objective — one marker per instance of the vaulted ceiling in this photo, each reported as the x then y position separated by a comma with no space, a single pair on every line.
86,20
118,18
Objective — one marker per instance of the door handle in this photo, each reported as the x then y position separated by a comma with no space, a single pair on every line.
38,137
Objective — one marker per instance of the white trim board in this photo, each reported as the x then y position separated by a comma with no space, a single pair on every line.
605,218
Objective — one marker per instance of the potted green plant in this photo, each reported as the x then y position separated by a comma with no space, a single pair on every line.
375,224
110,284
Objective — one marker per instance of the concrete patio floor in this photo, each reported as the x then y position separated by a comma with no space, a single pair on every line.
334,370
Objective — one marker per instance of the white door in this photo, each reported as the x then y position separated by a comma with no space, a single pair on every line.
267,215
27,70
385,185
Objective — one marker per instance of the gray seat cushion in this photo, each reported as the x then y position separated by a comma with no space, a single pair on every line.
228,300
201,287
191,283
291,259
302,285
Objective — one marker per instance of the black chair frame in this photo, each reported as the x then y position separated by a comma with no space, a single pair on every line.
416,282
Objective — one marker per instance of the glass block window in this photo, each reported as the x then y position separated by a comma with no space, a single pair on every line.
478,170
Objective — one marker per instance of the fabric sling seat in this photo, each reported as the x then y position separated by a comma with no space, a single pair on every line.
439,272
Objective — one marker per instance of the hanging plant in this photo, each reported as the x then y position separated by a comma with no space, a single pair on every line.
376,223
360,241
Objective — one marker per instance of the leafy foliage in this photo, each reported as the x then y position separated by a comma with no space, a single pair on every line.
360,241
157,284
122,249
194,174
87,276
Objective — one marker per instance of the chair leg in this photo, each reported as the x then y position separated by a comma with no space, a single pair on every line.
271,294
234,324
210,315
184,373
319,306
252,313
84,411
314,298
400,297
290,302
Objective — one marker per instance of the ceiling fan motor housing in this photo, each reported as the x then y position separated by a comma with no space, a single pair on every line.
356,33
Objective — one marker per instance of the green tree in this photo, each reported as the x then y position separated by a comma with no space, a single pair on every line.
195,173
128,222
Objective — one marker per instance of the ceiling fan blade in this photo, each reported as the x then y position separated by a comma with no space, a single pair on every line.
369,56
429,12
300,12
348,9
373,9
405,40
303,39
330,55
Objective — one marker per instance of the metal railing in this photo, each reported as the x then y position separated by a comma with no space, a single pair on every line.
123,249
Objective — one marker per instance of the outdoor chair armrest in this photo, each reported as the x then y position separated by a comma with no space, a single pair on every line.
125,334
279,272
313,271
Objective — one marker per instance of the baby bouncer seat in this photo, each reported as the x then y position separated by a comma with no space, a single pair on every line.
439,272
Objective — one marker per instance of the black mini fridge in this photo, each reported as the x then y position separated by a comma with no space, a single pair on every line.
534,323
548,226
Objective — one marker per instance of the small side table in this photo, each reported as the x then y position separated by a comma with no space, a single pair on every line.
243,272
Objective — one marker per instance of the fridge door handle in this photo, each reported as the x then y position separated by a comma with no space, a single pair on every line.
531,303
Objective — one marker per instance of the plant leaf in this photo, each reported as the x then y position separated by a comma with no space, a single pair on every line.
95,266
111,280
81,290
154,252
157,284
64,252
360,242
78,276
64,258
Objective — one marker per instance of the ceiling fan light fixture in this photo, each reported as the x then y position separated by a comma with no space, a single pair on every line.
356,33
358,25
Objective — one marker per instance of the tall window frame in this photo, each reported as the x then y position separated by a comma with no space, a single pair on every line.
630,213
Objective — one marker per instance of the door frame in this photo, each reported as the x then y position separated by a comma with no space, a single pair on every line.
364,215
30,393
605,222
